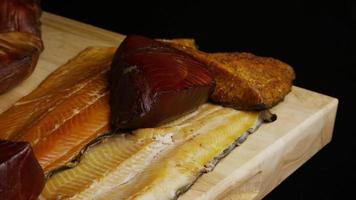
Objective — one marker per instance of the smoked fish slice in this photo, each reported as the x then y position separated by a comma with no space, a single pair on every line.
67,110
154,163
243,80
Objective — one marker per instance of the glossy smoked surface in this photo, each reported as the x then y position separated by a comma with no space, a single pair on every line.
21,177
20,41
153,83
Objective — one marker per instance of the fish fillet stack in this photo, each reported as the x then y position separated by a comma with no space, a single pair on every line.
65,112
66,120
154,163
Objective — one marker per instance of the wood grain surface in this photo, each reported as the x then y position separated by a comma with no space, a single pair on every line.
305,121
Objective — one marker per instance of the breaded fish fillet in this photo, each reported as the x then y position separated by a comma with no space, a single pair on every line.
243,80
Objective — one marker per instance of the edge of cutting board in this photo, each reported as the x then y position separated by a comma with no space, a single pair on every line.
304,126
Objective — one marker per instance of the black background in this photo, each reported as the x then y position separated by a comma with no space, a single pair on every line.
316,37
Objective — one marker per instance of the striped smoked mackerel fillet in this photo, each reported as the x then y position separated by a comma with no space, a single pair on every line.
65,112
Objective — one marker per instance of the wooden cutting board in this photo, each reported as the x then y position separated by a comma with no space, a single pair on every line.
304,126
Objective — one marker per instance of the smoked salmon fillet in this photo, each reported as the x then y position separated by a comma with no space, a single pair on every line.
66,111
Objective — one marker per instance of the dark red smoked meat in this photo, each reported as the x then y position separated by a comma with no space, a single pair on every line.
21,176
153,83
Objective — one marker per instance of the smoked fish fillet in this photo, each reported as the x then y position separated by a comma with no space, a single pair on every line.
243,80
154,163
66,111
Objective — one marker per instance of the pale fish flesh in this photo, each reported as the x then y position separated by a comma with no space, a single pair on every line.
153,163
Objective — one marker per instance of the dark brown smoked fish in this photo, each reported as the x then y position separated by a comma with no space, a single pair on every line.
21,177
20,41
153,83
